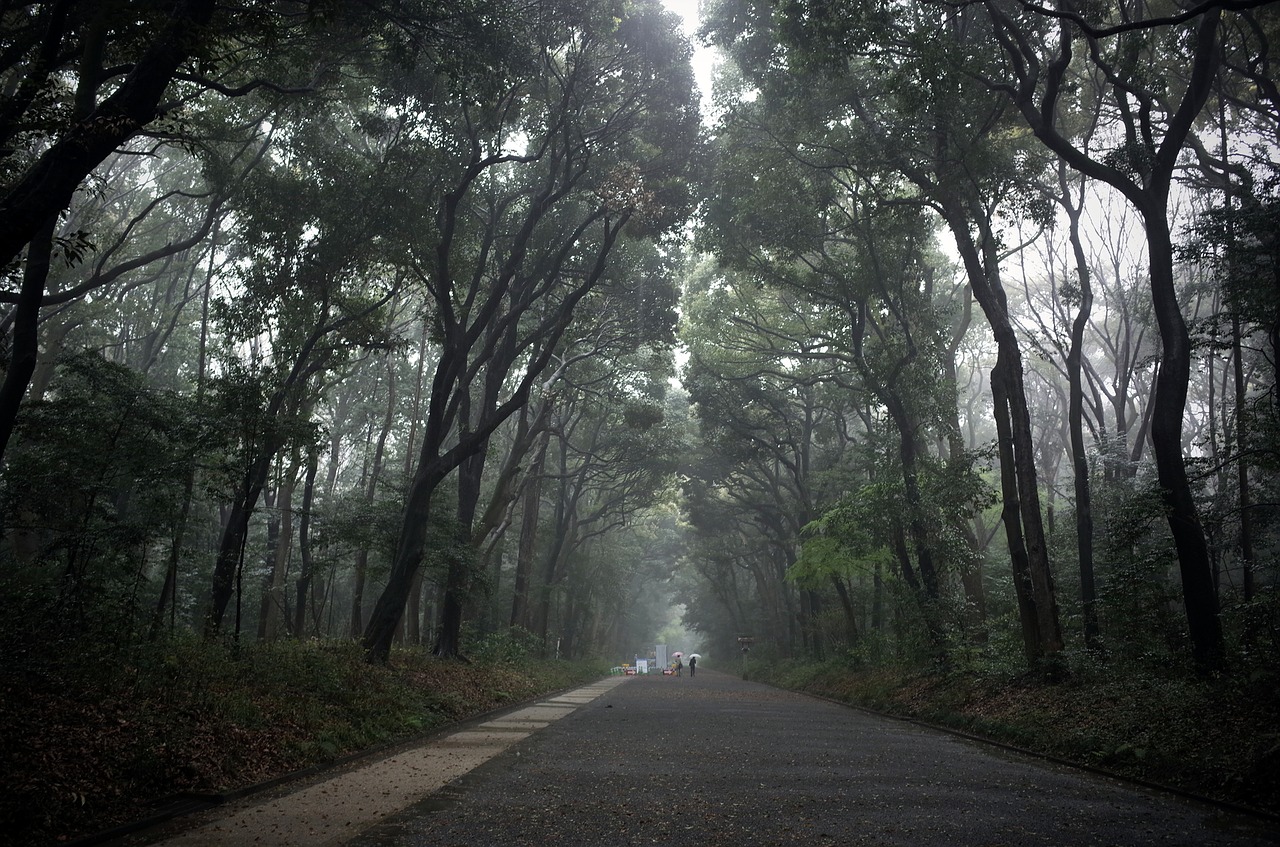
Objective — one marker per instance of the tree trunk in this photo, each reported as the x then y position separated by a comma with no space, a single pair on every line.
1200,597
307,576
526,551
877,597
1037,99
971,570
280,544
26,330
454,374
169,593
1037,606
1242,463
850,614
370,495
234,536
460,576
357,592
256,474
1011,515
1075,424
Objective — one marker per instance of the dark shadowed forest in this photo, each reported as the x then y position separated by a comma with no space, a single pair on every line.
920,353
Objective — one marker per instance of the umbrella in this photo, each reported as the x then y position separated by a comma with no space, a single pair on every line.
677,654
695,655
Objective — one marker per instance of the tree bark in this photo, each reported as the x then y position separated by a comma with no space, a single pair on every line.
370,495
1200,597
1075,424
26,329
850,613
307,576
520,606
1024,531
273,611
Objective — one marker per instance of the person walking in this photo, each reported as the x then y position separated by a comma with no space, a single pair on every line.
693,664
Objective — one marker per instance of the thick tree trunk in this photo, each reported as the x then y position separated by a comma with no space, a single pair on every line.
903,554
361,570
236,532
1200,597
26,330
1011,514
389,609
459,575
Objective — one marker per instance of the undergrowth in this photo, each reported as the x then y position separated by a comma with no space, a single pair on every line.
1217,738
93,740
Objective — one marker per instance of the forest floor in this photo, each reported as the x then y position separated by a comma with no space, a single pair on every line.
90,745
1212,738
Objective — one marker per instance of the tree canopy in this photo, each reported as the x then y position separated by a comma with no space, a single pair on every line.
416,323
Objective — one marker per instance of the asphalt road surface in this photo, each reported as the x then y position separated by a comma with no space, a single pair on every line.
712,760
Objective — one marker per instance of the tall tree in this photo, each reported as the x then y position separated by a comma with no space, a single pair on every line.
897,76
1155,122
610,123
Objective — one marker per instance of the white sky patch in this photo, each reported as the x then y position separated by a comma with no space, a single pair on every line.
704,58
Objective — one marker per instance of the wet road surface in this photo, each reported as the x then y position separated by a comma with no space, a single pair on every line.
713,760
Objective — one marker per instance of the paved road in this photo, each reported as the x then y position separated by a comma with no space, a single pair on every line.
714,760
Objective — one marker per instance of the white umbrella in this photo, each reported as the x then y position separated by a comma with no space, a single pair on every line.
695,655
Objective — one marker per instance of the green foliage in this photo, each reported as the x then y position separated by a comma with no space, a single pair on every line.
93,483
1137,590
513,645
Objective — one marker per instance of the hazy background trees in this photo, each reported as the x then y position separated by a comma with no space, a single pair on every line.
1053,159
370,305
